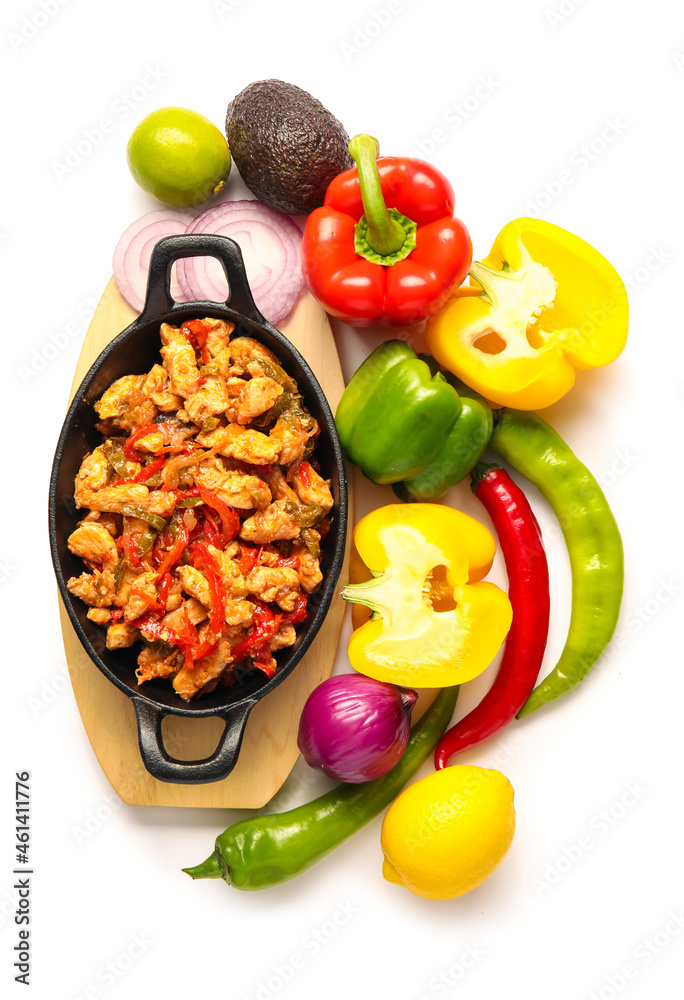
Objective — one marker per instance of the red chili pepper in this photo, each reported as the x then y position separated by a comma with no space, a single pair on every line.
385,247
528,582
167,580
130,549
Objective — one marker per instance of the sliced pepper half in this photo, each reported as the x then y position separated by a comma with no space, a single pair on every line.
544,303
435,622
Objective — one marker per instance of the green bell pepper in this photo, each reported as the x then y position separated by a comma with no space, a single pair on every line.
404,422
461,448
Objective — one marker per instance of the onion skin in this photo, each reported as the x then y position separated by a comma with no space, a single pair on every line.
354,728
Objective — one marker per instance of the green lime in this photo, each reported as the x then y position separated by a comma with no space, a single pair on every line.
178,156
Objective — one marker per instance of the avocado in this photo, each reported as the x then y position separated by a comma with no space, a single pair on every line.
286,145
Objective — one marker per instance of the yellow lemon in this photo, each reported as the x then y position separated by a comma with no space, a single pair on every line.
178,156
446,833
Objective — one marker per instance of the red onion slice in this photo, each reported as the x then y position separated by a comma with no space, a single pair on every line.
132,254
270,245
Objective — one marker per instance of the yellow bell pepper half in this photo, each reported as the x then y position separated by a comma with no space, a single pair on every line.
435,623
544,303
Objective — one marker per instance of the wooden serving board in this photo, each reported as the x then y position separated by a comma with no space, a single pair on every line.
269,749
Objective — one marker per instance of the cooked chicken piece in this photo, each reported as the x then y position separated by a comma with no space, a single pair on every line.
279,487
126,404
209,400
231,577
309,571
179,361
279,585
248,446
285,636
175,597
152,443
292,431
187,682
222,363
246,349
144,586
193,608
155,661
91,477
239,612
121,635
96,589
195,584
156,387
114,498
93,543
126,582
236,488
269,525
109,521
312,488
258,395
101,616
218,335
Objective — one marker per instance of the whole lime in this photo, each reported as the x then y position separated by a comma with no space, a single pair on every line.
178,156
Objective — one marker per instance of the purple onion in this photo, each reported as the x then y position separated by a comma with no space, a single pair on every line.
354,728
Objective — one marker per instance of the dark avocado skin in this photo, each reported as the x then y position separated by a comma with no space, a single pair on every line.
286,145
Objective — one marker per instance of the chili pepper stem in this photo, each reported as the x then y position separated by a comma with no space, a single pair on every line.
211,868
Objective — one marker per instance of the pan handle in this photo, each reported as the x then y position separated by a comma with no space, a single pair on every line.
159,301
194,772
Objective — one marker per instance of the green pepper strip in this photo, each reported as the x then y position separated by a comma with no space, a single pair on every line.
535,450
264,851
129,510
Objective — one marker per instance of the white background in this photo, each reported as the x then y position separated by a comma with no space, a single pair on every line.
593,89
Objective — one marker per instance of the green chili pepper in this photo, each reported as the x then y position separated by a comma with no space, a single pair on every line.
278,375
210,424
189,502
535,450
211,369
119,572
144,515
146,541
266,850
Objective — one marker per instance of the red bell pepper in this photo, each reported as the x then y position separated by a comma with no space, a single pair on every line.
385,246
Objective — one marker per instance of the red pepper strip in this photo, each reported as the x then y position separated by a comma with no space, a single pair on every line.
210,528
298,613
249,558
304,473
528,582
291,563
137,435
264,661
117,614
167,580
130,550
230,519
147,471
217,614
196,332
265,627
174,554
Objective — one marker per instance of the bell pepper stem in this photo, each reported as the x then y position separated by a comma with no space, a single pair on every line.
385,235
490,279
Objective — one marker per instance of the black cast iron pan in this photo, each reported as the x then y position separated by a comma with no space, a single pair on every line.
134,352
